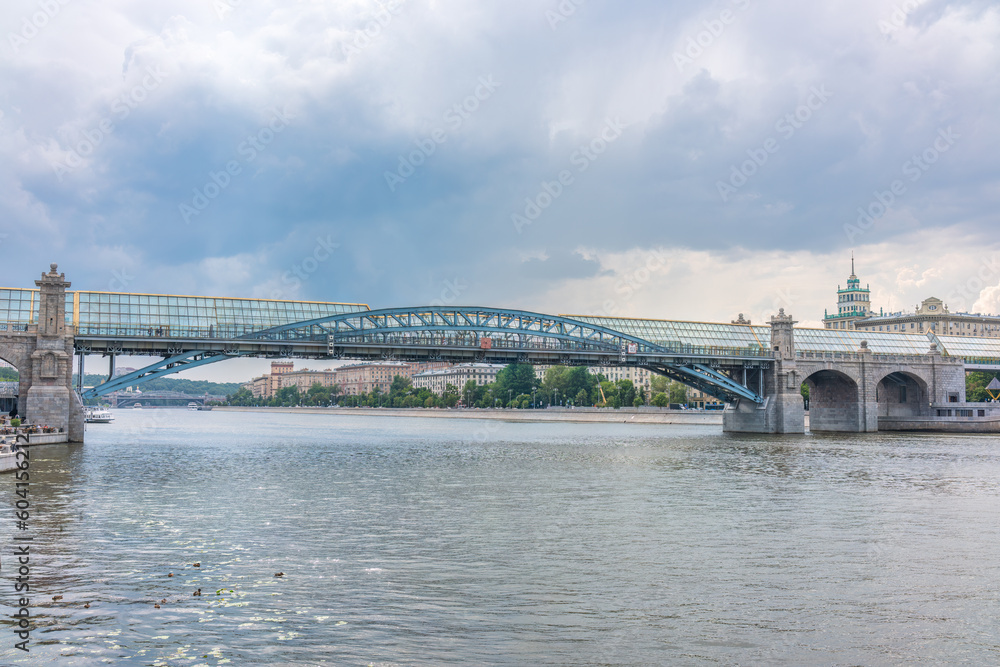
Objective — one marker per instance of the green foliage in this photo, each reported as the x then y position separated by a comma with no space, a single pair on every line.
582,398
678,393
804,390
626,392
660,400
659,384
15,422
9,375
517,379
975,386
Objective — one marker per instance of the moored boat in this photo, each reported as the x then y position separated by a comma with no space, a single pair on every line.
8,454
192,406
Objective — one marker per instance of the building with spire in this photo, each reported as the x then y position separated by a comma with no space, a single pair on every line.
853,304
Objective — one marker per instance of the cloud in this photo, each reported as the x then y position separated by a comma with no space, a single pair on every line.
189,89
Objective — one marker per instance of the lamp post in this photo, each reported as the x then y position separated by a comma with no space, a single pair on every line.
533,398
510,393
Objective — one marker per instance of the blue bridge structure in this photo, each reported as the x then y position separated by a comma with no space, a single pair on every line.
858,381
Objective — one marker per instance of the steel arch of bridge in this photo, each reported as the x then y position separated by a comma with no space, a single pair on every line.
353,326
463,328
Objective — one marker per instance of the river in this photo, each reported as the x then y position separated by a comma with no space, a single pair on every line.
408,541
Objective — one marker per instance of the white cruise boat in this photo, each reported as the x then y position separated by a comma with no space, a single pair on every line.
8,455
98,416
192,406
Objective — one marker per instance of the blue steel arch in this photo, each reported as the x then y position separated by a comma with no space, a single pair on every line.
508,330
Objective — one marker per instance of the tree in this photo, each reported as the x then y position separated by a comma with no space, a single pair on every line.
660,400
678,393
582,398
285,397
242,396
626,392
516,378
450,395
400,386
975,386
659,383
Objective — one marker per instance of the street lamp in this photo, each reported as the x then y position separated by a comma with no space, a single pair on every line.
510,393
533,398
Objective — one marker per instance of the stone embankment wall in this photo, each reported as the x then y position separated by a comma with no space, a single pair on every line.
582,415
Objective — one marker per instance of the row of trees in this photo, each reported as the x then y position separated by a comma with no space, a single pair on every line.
516,386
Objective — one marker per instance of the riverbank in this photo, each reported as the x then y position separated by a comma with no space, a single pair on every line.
577,415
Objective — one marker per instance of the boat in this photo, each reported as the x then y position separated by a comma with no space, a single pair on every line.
98,416
204,408
137,406
192,406
8,453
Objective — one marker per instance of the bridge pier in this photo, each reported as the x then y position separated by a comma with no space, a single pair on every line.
46,395
782,410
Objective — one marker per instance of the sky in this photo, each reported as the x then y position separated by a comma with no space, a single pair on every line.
676,160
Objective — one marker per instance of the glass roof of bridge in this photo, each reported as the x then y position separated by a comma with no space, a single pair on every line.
125,314
973,350
670,334
834,340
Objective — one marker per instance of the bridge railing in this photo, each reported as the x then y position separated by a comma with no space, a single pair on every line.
224,332
856,356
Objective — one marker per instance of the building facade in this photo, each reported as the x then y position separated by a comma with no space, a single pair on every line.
853,304
933,315
438,380
355,379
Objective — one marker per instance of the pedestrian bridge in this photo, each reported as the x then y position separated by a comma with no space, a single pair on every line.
756,369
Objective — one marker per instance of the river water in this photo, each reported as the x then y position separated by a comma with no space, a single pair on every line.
431,541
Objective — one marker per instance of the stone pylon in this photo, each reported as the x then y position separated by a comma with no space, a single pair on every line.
50,399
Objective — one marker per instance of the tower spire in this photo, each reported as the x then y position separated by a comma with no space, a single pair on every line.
852,262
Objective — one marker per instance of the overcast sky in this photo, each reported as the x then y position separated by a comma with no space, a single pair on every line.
679,160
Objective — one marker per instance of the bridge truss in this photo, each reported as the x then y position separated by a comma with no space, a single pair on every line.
452,334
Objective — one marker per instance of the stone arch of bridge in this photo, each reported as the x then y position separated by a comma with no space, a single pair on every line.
902,394
19,356
834,401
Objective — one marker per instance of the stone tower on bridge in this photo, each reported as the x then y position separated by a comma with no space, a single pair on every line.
42,352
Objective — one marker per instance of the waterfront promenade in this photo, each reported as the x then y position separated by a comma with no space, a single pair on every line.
575,415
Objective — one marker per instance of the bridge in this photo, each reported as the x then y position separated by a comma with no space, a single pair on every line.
127,399
858,382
